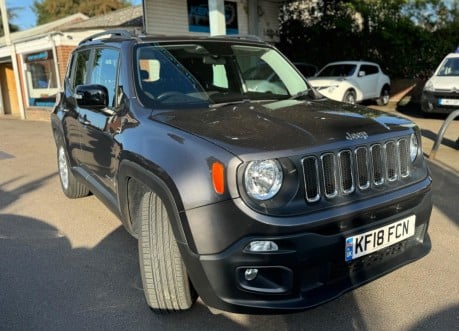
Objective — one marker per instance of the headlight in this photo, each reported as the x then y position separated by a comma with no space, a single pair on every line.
414,147
429,86
332,88
263,179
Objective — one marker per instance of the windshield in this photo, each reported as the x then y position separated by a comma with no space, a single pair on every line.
338,70
193,75
450,67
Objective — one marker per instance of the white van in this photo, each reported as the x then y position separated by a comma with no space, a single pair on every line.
441,92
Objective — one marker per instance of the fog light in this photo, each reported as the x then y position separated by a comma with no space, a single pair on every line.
250,274
263,246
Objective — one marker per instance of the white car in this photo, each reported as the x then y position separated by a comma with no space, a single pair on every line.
441,91
352,82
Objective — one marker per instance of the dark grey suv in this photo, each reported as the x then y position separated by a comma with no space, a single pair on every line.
258,195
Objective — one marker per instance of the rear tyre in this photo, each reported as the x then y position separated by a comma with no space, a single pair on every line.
71,187
384,97
164,277
349,97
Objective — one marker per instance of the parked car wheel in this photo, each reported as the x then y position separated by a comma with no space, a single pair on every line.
349,97
164,277
384,97
71,187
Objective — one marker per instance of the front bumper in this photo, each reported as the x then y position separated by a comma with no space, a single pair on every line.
309,268
433,102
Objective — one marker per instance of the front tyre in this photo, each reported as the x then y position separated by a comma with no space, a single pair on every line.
384,97
164,277
70,185
350,97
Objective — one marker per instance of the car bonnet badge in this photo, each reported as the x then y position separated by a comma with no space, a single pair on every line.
356,135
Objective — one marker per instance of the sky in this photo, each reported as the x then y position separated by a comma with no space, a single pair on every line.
26,18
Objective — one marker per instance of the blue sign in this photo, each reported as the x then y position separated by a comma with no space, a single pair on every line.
198,16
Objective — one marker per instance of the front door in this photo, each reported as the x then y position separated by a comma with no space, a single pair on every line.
99,149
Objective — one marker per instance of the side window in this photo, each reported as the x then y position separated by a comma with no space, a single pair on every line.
104,70
81,68
370,69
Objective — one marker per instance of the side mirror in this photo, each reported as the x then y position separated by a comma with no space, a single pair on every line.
362,73
91,96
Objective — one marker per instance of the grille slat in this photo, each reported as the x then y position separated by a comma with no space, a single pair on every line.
347,179
329,173
363,168
363,180
404,155
378,164
311,178
391,161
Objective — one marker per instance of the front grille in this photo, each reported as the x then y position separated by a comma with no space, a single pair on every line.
340,173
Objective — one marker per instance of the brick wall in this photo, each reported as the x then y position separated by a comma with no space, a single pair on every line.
63,54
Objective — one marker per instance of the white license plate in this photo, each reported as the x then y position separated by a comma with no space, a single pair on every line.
448,102
374,240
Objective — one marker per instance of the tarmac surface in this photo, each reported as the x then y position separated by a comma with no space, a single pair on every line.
69,265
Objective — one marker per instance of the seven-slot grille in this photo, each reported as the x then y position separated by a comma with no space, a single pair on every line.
333,174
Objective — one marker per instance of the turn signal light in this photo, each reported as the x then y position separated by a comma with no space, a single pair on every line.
218,177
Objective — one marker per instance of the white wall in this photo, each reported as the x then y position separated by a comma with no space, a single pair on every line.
171,17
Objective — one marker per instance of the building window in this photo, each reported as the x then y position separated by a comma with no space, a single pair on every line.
41,78
198,16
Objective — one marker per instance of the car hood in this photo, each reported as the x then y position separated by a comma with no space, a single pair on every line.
445,82
291,126
325,81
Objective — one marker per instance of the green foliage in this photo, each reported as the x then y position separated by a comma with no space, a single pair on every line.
408,38
11,13
50,10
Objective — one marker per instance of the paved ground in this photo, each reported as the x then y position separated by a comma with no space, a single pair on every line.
69,265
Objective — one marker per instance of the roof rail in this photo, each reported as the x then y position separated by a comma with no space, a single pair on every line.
111,33
241,36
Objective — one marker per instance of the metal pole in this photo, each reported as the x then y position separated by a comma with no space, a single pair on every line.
441,133
6,30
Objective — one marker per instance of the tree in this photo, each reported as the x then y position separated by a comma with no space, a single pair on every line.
50,10
408,38
11,14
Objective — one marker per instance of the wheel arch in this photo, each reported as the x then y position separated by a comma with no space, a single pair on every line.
385,85
57,130
356,91
134,180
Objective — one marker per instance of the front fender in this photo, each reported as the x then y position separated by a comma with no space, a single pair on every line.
181,160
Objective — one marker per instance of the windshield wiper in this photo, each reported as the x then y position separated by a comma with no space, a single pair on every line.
228,103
